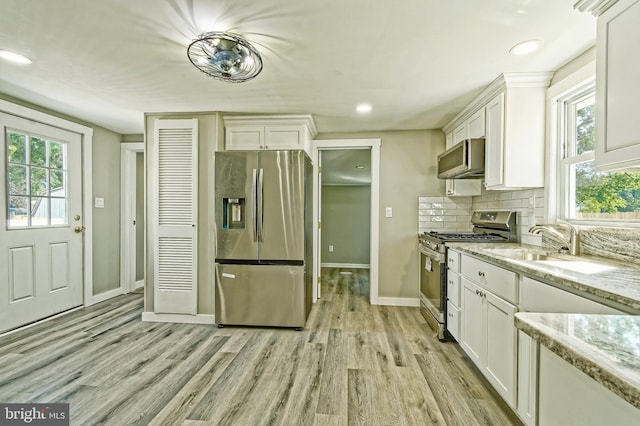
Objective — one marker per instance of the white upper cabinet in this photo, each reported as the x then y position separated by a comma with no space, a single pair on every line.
617,88
510,115
282,132
470,128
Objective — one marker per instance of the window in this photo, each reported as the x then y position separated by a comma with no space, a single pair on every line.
36,181
586,194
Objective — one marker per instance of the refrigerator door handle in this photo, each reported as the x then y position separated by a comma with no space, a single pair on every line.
260,204
254,213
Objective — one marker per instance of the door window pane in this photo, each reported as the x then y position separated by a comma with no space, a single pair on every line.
36,181
39,181
17,180
18,212
39,211
38,151
58,211
57,154
57,186
16,148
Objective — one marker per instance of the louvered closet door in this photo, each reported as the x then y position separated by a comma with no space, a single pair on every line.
175,254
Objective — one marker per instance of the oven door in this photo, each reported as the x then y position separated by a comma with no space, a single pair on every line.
432,282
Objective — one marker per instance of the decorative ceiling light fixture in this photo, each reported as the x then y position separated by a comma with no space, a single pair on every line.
225,56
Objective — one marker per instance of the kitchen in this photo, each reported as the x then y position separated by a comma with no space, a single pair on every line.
407,171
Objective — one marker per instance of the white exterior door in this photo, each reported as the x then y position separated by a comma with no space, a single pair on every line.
41,254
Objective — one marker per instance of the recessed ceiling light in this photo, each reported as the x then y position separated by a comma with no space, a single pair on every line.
359,166
525,47
14,57
363,108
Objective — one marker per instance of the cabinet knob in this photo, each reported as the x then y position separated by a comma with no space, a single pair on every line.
481,274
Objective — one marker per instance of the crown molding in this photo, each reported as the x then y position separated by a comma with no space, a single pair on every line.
595,7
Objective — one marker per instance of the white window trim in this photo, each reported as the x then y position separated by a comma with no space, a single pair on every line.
553,192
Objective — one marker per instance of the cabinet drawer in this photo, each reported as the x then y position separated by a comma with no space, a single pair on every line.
453,320
453,288
501,282
453,261
540,297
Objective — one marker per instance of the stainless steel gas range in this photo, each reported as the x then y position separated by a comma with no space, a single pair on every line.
488,227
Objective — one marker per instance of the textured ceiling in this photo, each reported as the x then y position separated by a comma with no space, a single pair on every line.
416,61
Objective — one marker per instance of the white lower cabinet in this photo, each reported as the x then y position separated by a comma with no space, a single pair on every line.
488,336
536,296
570,397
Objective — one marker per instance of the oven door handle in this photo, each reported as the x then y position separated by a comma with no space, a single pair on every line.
432,254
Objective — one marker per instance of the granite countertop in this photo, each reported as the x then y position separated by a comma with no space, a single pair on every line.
607,279
605,347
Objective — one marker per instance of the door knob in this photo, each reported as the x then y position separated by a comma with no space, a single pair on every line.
79,229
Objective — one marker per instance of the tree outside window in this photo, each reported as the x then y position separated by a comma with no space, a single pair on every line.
589,194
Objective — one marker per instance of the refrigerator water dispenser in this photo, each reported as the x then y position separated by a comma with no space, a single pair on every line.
233,213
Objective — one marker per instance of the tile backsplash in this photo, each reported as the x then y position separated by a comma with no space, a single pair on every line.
453,214
444,214
529,203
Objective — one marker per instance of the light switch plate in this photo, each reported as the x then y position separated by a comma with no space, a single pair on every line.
99,203
388,212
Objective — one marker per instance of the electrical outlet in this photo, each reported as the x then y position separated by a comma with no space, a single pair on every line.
532,202
388,212
330,249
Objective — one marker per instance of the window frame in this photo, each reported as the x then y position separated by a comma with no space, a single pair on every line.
29,165
565,156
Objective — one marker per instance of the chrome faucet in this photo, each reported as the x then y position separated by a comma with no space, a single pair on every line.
573,241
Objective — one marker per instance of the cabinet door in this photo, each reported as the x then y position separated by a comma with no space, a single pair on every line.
494,150
448,140
527,378
500,361
453,320
284,137
617,91
472,330
460,133
475,125
244,138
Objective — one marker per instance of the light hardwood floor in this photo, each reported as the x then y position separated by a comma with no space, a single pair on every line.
352,364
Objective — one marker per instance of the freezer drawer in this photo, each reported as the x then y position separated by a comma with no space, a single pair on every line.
260,295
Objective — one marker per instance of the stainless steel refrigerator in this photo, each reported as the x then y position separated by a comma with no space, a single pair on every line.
263,238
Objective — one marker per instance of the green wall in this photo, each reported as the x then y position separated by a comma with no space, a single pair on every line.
346,224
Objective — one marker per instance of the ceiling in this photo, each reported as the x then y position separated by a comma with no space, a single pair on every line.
417,62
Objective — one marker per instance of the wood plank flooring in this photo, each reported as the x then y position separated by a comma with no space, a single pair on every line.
353,364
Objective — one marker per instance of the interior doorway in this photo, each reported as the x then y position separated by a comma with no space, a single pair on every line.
346,206
132,217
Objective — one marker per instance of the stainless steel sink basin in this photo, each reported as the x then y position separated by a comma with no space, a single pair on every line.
533,256
563,262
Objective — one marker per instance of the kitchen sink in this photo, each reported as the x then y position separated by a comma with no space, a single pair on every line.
544,258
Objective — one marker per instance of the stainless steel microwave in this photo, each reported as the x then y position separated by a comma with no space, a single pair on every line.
464,160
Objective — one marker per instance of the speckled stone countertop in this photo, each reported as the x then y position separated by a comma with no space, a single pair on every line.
605,347
608,279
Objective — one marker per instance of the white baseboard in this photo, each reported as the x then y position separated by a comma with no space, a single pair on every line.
345,265
179,318
139,284
97,298
398,301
